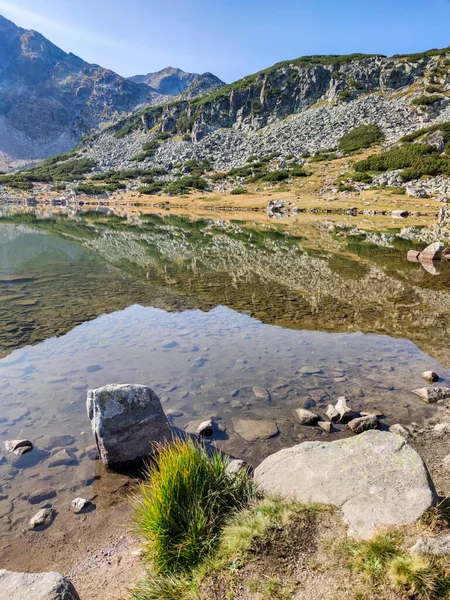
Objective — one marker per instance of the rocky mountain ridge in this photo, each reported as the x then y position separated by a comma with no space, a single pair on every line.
50,99
173,81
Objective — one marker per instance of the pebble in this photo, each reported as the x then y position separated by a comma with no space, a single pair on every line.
430,376
432,394
252,430
442,428
78,504
306,417
235,466
174,413
43,517
205,429
361,424
327,426
400,430
57,441
261,394
332,413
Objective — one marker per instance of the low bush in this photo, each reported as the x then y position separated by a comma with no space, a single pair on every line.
363,136
426,100
185,184
443,127
323,156
238,191
361,177
433,89
152,188
275,176
184,503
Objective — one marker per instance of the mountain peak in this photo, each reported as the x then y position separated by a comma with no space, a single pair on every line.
173,81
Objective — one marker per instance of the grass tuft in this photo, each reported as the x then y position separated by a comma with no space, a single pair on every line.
419,577
370,558
184,503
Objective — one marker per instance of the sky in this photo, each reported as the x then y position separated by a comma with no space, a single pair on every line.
230,38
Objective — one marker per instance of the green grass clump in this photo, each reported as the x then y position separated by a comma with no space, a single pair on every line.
184,503
383,560
443,127
426,100
238,191
185,184
363,136
323,156
151,188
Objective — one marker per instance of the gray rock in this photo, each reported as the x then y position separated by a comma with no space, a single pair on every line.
127,420
364,423
439,546
375,478
400,430
413,256
332,413
78,504
235,466
172,413
41,495
345,413
251,430
6,507
306,417
18,447
43,518
36,586
430,376
432,394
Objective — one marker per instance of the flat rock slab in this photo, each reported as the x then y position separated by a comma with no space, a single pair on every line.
252,430
36,586
375,478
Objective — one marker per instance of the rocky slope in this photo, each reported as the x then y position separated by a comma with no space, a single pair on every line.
304,105
172,81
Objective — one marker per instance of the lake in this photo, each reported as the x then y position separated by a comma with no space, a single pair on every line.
240,321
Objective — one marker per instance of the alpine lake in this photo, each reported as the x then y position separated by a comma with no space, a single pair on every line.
223,315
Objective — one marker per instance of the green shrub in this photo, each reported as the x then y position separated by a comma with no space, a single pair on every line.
399,157
433,89
344,96
363,136
89,189
153,188
184,503
185,184
443,127
361,177
274,176
345,188
426,100
299,172
186,137
237,191
321,157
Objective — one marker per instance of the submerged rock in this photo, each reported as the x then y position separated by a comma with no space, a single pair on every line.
127,420
332,413
432,252
205,429
39,496
375,478
326,426
252,430
36,586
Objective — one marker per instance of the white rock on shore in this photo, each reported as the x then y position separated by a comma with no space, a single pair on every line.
35,586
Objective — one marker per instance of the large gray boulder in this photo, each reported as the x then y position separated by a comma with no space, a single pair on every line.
35,586
375,478
127,420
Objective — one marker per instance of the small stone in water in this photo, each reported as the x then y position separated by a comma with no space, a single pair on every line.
18,447
332,413
62,458
306,417
205,429
43,517
325,425
345,413
432,394
400,430
363,423
430,376
39,496
79,504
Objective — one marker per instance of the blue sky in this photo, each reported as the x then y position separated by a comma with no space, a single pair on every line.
230,38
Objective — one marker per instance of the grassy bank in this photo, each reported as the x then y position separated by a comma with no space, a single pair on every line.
208,535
